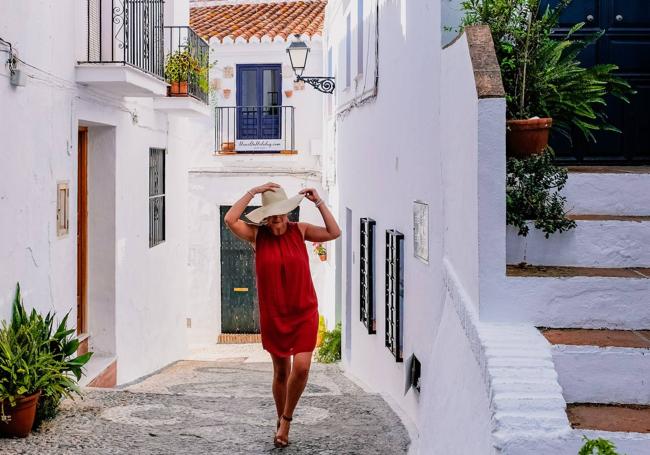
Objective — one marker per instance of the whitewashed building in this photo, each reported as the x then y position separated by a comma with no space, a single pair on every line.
436,316
266,128
93,198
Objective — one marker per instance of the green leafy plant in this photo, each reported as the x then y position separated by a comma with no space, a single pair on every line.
533,188
330,350
46,355
184,66
598,446
541,73
319,249
180,65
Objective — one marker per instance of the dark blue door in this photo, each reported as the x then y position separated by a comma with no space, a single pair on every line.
626,43
259,97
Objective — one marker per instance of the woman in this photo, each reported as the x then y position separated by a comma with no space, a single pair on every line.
287,300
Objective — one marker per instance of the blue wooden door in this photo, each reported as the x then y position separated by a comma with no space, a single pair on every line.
259,97
626,43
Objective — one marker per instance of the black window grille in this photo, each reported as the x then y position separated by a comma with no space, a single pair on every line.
156,196
367,279
394,292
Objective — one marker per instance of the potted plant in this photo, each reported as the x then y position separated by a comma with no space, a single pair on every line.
38,367
179,67
320,250
544,83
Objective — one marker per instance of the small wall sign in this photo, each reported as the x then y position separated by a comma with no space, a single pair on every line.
421,231
258,145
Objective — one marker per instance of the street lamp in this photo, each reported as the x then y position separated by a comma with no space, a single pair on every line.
298,52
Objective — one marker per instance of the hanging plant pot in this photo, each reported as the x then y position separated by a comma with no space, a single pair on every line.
322,257
178,89
288,93
527,137
226,93
19,419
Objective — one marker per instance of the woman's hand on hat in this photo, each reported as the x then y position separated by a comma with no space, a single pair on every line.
311,194
264,188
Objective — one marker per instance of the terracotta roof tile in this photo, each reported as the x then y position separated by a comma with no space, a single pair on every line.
258,19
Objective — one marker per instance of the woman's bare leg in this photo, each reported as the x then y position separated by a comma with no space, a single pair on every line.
281,371
295,387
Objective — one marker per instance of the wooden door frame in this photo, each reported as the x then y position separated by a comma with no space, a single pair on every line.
82,230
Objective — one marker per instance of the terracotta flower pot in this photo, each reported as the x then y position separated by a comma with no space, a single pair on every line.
288,93
227,147
178,89
20,418
226,93
322,257
527,137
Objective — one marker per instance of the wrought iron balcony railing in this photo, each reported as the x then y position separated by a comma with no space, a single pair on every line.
129,32
186,62
255,129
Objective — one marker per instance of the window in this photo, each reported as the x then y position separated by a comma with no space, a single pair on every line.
62,209
359,36
367,281
156,196
394,292
348,51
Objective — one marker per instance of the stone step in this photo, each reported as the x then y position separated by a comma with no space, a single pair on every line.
597,241
578,297
100,371
604,417
602,366
609,190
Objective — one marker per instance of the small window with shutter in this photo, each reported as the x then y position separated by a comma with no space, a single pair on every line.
156,196
367,279
394,292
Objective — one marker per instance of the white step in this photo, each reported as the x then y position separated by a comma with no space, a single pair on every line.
95,367
592,374
578,301
609,191
597,241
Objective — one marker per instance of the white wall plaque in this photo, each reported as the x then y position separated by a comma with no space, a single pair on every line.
256,145
421,231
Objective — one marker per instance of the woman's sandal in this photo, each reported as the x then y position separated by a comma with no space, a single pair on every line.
277,441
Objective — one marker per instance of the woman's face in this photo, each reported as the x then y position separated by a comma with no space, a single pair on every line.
277,221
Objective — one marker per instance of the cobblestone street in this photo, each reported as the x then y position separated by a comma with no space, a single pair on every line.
219,406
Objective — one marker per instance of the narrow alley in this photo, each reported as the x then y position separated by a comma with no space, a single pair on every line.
219,406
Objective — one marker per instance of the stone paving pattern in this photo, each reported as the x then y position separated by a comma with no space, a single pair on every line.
218,407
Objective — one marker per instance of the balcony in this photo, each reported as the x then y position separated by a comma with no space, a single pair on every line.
186,70
123,53
255,129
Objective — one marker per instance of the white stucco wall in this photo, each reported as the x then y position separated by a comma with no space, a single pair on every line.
388,155
136,294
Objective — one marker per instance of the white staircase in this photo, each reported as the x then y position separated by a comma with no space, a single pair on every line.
589,292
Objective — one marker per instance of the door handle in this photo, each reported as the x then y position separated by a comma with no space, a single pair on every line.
590,18
619,18
240,289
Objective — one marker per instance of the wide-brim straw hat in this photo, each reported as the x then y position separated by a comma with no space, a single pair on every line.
274,203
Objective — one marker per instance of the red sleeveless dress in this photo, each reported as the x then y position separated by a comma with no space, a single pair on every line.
287,299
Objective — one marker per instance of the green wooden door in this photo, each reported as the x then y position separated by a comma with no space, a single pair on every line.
239,306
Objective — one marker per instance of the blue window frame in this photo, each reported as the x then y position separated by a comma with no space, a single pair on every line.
259,97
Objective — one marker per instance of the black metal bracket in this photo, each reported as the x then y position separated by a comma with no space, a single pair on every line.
321,83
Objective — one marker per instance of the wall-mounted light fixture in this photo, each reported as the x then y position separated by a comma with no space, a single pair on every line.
298,52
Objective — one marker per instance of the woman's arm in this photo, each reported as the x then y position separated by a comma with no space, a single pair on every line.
313,233
241,229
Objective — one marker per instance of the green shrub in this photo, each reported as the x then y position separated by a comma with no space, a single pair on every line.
36,354
541,73
598,446
532,194
330,350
